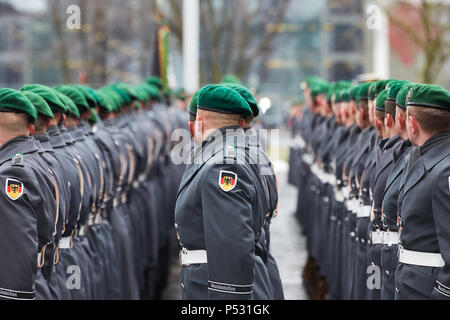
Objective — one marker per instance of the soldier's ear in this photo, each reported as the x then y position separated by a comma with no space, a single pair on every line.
388,121
192,128
47,124
31,128
414,124
242,123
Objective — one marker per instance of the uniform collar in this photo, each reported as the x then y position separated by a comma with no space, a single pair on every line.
55,137
68,139
44,139
435,149
24,145
76,133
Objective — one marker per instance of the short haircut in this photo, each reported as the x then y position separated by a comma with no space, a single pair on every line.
364,105
41,124
192,117
380,115
431,120
390,107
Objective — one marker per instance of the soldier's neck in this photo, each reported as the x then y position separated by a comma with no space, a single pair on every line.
7,136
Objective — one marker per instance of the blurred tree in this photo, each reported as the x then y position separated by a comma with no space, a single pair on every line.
59,27
234,33
427,27
114,43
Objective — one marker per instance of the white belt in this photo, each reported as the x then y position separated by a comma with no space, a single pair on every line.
308,159
331,178
356,206
65,243
390,238
188,258
352,205
364,211
338,195
377,237
424,259
346,192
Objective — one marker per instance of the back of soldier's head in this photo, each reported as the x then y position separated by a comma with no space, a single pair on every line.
430,106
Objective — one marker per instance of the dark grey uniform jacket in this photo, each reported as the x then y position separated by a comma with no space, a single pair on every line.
425,219
225,224
27,220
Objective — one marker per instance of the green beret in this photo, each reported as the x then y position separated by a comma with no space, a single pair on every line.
94,116
155,81
428,96
48,94
40,104
115,98
142,95
353,92
394,89
194,103
151,90
337,95
403,94
70,105
128,89
231,79
381,100
247,95
319,88
344,95
89,95
104,101
180,94
15,101
75,95
124,96
379,87
218,98
363,92
372,90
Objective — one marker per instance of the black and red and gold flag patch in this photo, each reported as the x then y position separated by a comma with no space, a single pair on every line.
14,189
227,180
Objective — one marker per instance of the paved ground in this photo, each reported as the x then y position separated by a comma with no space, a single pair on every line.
288,245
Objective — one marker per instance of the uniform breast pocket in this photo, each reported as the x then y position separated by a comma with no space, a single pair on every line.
194,282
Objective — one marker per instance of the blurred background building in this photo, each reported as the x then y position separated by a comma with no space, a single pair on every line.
272,45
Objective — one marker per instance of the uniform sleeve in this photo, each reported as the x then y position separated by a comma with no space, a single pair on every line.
229,236
441,212
18,239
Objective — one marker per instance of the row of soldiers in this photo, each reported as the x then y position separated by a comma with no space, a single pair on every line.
88,191
372,165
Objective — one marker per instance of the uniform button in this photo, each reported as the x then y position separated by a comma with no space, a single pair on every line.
387,272
182,285
396,289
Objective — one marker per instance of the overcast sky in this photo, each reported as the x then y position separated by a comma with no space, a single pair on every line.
28,5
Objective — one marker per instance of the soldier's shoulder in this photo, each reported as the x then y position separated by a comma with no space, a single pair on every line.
17,160
17,167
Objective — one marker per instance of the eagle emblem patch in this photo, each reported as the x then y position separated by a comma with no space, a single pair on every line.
14,189
227,180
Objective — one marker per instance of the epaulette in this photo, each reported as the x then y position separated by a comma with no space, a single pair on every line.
17,160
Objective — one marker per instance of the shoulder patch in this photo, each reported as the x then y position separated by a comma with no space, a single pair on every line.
17,160
227,180
13,189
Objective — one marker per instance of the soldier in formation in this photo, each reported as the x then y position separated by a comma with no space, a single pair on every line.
226,202
88,191
372,165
